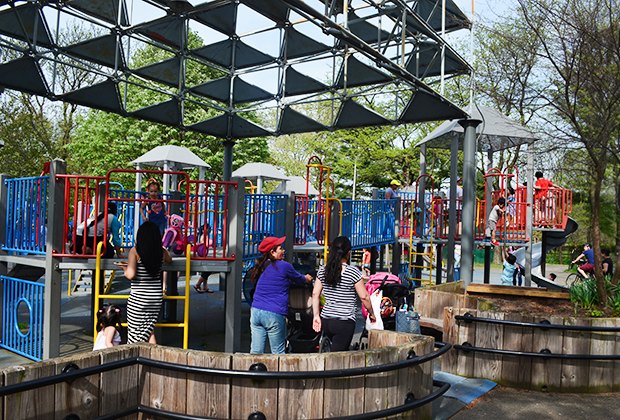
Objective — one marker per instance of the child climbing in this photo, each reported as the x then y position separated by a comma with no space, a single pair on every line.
108,324
154,210
496,213
510,266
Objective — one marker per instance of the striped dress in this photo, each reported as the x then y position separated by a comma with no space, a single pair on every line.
341,301
143,305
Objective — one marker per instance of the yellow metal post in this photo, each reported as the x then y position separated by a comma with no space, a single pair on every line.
188,279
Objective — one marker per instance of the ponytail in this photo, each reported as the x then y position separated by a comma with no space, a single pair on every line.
338,251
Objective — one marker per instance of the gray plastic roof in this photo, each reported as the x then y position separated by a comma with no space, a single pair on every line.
255,59
176,157
496,132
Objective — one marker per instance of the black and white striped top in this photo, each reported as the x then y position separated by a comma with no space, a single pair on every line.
341,300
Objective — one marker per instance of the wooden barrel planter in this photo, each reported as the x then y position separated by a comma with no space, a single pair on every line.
534,352
133,379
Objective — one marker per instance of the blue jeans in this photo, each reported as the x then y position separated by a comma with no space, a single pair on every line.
265,324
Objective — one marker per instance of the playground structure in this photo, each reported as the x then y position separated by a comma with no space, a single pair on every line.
40,210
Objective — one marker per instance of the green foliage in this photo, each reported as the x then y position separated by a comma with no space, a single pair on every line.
584,294
613,299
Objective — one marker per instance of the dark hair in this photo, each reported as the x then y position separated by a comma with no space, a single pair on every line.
501,201
538,174
112,208
148,245
338,250
605,252
153,181
109,316
511,190
262,263
552,276
511,259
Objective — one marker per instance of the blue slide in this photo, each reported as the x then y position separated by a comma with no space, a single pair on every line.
554,240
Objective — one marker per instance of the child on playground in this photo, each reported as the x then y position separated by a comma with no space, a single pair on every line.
201,247
108,323
511,207
154,210
510,267
366,262
496,213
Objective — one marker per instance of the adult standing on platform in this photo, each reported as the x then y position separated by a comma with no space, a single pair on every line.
144,271
390,192
273,277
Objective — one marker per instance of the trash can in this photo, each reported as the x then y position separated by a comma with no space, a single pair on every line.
408,321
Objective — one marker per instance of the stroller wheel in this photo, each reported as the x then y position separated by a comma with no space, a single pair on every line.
325,345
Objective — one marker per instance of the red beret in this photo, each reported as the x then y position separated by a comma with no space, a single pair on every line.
269,243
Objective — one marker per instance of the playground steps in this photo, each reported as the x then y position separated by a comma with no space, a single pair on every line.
26,272
474,288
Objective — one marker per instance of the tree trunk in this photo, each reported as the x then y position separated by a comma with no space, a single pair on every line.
617,189
595,205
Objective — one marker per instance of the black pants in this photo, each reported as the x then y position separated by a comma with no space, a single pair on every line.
340,332
79,246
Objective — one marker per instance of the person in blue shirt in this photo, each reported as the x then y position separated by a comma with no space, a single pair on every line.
390,192
587,255
272,277
510,266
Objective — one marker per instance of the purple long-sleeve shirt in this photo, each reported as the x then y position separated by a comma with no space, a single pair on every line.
272,287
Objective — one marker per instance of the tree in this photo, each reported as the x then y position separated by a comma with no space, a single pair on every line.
580,47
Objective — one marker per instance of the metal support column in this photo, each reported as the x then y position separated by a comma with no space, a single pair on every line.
452,222
469,199
289,227
228,160
396,245
53,276
529,214
232,298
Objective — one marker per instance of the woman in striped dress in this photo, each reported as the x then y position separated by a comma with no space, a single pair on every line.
144,271
341,284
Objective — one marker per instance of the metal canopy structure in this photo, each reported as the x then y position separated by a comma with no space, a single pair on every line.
235,69
497,132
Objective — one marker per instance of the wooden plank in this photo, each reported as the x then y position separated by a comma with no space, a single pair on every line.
343,396
301,399
119,388
208,395
422,384
34,404
617,362
466,334
516,370
376,386
450,335
546,373
384,338
249,395
490,336
476,288
440,301
422,302
163,381
81,396
575,373
144,381
602,371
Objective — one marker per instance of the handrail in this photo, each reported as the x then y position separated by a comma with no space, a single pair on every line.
75,372
544,353
467,317
410,404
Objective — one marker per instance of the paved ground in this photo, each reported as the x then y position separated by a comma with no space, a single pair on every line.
467,398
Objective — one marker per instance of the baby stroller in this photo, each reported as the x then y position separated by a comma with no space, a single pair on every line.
395,295
301,337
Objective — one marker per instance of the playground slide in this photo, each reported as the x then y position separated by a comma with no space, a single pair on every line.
554,240
25,272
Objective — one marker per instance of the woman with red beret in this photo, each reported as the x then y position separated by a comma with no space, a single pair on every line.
272,277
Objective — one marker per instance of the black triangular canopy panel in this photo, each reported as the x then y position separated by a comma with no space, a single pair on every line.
25,75
246,92
104,96
427,61
359,74
166,71
167,30
300,45
12,19
299,84
430,12
167,112
240,127
276,11
222,19
366,31
106,10
221,53
424,106
353,115
99,50
216,89
292,121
